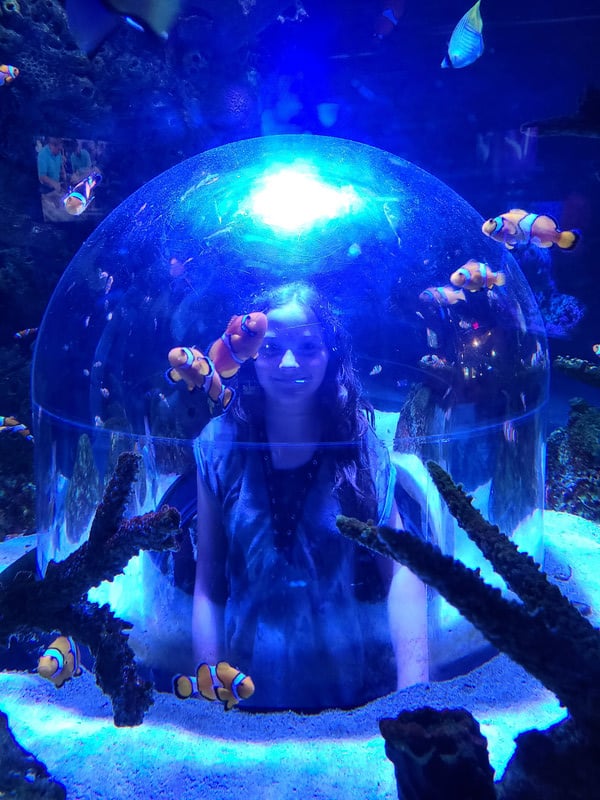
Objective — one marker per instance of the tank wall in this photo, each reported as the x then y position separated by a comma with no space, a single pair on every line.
456,373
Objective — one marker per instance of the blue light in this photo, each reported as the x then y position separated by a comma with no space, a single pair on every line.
295,198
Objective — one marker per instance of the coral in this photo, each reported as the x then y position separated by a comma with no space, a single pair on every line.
561,313
573,462
432,750
544,633
578,368
58,602
22,775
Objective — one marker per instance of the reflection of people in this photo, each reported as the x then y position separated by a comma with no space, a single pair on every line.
81,163
279,592
52,178
51,170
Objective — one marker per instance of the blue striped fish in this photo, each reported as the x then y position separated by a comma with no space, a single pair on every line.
466,42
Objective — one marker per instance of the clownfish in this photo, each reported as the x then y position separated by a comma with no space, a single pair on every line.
78,199
466,43
386,21
8,74
475,275
242,340
518,227
12,425
223,682
197,370
60,662
442,295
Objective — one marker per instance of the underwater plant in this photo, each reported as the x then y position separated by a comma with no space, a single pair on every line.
543,632
58,602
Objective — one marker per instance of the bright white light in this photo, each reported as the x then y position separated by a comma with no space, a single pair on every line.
295,198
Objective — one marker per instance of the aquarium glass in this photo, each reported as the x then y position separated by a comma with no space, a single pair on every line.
456,375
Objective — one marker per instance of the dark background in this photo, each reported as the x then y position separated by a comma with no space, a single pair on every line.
224,75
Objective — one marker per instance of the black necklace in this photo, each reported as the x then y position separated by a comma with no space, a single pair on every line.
287,490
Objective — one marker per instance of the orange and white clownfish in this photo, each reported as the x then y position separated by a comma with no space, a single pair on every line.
475,275
223,682
78,199
442,295
12,425
242,340
386,21
60,662
192,366
518,227
8,74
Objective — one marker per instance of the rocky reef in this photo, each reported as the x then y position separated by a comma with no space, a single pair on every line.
573,451
578,368
58,602
573,463
543,632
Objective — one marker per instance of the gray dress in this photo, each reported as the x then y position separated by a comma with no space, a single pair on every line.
297,617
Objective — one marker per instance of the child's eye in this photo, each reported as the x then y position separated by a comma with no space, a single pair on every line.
309,347
270,348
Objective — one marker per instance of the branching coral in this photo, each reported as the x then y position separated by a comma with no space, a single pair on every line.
573,462
578,368
58,602
544,632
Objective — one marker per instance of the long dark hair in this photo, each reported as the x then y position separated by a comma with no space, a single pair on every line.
346,415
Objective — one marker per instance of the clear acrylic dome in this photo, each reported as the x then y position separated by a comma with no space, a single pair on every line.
454,374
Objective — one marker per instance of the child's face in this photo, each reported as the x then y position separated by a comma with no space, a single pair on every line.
293,358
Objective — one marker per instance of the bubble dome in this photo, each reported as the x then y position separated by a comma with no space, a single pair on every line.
456,375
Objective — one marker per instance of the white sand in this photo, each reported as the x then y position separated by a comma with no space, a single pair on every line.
193,749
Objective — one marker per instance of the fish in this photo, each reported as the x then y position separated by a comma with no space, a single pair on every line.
376,369
8,74
91,21
241,340
221,682
197,370
519,227
12,425
476,275
26,333
596,349
79,198
386,21
60,662
585,122
433,361
442,295
466,43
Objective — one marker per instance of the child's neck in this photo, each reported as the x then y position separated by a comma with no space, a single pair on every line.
301,429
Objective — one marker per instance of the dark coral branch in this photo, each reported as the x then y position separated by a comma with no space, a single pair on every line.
519,570
578,368
106,636
58,602
26,600
114,501
544,651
